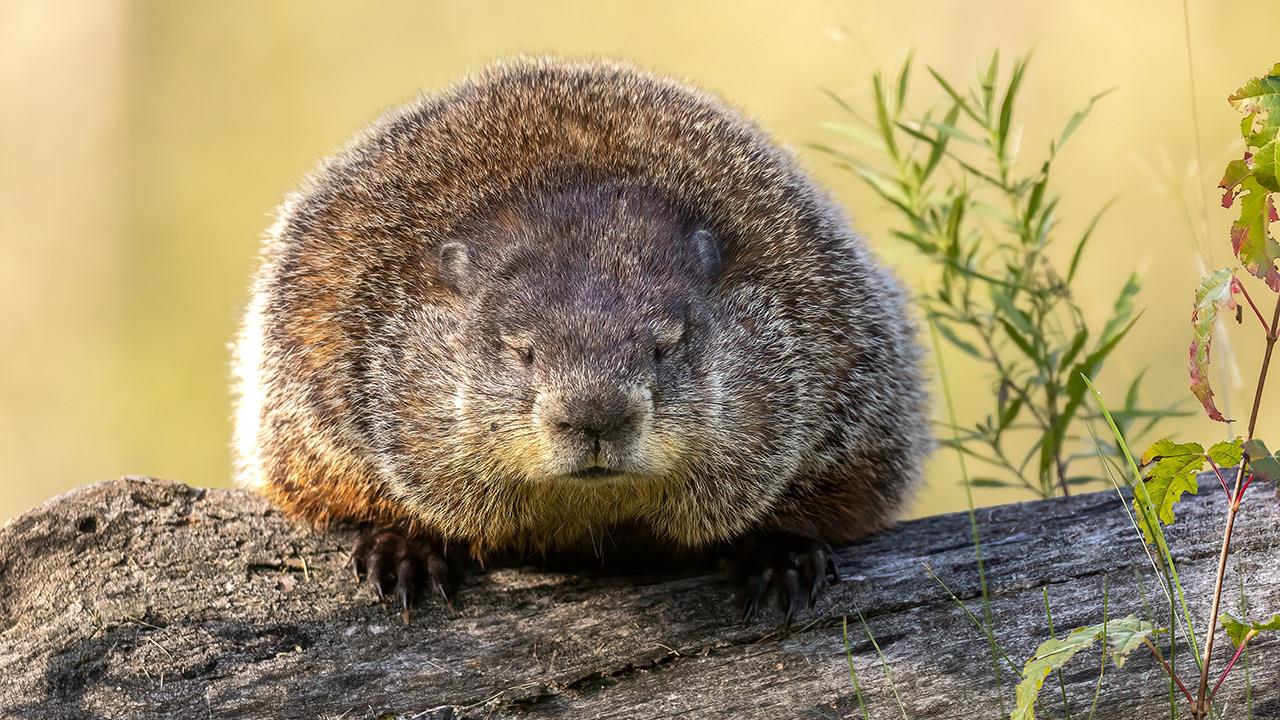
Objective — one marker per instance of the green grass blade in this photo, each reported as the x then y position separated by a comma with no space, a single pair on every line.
1156,532
1102,665
1062,685
884,663
853,674
988,625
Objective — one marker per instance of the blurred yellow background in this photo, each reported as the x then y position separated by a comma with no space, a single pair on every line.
144,146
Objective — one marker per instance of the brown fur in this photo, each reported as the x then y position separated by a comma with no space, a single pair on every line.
374,389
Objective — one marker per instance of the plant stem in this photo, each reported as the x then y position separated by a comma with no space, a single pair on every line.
1234,658
1168,670
1265,328
1218,472
1200,708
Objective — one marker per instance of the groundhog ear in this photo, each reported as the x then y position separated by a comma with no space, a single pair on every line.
455,266
708,252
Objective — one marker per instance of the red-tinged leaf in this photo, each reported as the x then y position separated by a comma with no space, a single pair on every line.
1236,171
1250,235
1259,100
1214,292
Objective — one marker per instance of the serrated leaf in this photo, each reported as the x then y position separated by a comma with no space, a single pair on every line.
1214,292
1261,94
1266,158
1262,464
1237,628
1251,235
1254,178
1171,471
1123,636
1259,100
1226,453
1236,171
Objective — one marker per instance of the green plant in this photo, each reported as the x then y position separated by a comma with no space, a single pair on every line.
1169,469
998,295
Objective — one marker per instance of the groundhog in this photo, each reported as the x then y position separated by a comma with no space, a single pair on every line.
562,298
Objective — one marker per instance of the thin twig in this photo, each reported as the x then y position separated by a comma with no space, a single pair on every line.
1218,472
1265,327
1227,670
1168,670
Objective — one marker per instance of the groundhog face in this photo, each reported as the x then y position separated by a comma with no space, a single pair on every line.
594,315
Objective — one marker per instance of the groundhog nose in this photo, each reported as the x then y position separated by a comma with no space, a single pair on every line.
596,427
594,418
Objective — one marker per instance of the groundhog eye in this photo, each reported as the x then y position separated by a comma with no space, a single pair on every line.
525,354
663,350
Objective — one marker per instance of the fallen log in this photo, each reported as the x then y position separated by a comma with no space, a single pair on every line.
146,598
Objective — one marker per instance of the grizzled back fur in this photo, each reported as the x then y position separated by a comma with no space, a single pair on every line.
550,241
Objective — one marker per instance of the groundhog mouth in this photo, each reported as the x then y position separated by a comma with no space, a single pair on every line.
595,473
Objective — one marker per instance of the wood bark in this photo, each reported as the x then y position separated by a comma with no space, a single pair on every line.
147,598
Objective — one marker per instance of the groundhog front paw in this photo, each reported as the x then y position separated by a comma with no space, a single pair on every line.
795,568
397,563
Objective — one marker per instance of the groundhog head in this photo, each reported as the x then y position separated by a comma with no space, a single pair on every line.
586,310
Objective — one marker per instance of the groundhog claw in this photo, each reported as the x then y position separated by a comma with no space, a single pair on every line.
396,563
796,568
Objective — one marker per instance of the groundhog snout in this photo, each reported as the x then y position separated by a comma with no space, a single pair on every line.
591,417
593,429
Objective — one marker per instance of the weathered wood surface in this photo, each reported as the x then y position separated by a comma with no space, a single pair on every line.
144,598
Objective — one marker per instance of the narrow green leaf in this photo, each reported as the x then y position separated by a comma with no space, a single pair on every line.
1078,118
885,188
860,135
956,97
1012,313
992,483
1122,309
1019,340
882,117
940,146
950,130
1037,194
903,77
988,83
834,97
967,347
1077,344
1006,105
